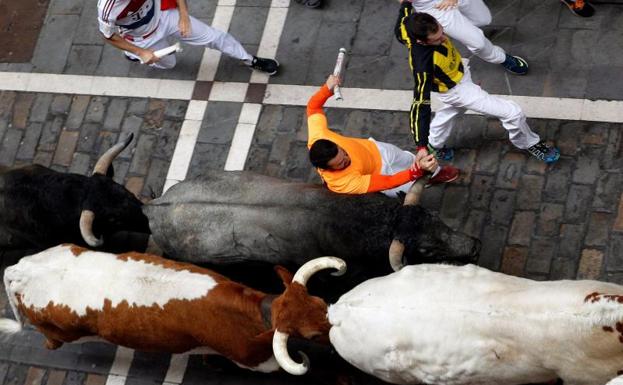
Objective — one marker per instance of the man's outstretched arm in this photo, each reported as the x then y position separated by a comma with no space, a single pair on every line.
147,56
316,102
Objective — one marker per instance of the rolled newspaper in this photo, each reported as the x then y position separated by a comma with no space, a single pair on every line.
337,71
166,51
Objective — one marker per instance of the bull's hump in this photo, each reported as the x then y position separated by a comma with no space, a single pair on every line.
243,188
81,279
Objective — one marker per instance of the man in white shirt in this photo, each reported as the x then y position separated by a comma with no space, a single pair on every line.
141,27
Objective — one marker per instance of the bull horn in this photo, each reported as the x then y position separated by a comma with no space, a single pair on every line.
414,193
397,248
396,251
315,265
280,350
86,229
106,159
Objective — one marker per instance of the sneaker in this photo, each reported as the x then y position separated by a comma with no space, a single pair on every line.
269,66
443,153
445,175
515,65
544,152
579,7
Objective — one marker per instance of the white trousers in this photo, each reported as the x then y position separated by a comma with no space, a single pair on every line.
468,96
394,160
200,34
462,24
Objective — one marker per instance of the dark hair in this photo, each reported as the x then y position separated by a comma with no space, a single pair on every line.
421,25
321,152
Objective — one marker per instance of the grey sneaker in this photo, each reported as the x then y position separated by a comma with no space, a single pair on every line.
544,152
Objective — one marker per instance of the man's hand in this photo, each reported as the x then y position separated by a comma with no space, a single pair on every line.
147,56
428,163
184,25
421,153
447,4
415,172
332,81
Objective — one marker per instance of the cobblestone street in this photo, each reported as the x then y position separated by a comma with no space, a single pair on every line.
71,97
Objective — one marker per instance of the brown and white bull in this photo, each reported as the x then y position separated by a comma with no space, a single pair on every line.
153,304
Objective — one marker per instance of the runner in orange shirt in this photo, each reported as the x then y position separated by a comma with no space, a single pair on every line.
358,166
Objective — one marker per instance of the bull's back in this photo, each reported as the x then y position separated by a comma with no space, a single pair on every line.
485,326
224,215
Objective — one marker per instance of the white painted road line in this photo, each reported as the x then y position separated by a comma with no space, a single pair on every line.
120,366
177,368
211,57
271,36
293,95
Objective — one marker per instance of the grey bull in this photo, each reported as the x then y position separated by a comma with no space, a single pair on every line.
229,217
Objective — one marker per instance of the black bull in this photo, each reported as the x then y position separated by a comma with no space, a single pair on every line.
40,207
229,217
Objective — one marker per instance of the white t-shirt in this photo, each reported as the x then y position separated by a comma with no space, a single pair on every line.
134,18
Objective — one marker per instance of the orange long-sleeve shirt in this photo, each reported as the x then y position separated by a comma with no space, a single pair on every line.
364,172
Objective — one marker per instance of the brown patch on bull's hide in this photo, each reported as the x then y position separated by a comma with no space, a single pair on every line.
596,297
608,329
619,372
76,250
299,314
169,264
592,297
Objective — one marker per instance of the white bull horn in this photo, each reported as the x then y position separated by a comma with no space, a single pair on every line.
280,350
414,193
315,265
396,251
101,167
86,229
397,248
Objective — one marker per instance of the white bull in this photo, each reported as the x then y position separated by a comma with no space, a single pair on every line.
466,325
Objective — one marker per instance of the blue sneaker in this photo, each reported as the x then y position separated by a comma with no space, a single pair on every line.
544,152
443,153
515,65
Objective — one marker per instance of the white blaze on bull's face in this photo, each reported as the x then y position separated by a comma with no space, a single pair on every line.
79,282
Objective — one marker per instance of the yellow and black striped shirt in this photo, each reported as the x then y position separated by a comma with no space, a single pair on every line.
435,68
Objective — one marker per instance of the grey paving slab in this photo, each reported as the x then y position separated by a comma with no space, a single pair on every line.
83,59
247,24
219,123
65,7
149,366
54,43
87,31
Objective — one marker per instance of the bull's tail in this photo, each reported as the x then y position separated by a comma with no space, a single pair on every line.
9,327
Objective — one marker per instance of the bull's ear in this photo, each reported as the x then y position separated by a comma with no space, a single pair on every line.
284,274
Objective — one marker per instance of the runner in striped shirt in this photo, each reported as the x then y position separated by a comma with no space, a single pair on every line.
141,27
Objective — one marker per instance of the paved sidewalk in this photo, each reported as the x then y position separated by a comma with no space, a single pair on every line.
537,221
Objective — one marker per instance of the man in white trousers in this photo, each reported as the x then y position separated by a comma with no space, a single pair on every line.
461,20
141,27
437,67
